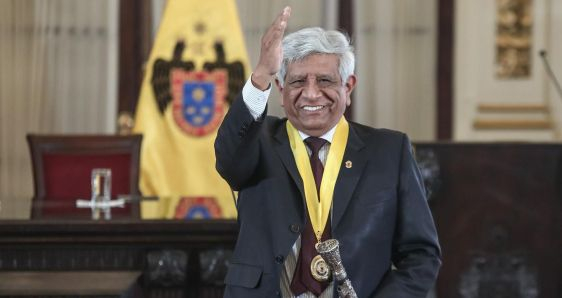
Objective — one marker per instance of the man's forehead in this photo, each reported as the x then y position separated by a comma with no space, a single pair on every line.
317,58
308,73
314,65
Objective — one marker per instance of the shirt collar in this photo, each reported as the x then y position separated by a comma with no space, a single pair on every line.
328,136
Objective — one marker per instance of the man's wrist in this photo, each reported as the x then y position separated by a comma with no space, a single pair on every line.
260,81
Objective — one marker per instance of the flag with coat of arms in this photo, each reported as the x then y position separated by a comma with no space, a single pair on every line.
197,67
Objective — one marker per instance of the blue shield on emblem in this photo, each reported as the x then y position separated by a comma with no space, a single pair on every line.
198,102
198,212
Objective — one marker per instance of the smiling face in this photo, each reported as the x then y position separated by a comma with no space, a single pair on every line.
314,97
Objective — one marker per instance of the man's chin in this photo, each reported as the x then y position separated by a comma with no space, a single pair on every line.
315,130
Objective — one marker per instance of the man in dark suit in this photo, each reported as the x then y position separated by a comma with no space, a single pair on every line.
350,182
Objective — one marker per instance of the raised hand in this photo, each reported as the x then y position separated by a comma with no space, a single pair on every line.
271,54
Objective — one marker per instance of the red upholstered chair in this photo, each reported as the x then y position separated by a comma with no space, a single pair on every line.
62,166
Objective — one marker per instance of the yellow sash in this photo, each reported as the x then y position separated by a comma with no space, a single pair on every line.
318,210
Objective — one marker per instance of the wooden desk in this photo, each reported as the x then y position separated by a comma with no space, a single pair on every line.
497,207
498,212
85,258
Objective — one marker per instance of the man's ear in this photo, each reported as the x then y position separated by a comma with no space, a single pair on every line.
278,84
350,83
349,86
280,88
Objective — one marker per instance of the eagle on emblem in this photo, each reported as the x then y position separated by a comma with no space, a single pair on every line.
235,70
162,68
161,75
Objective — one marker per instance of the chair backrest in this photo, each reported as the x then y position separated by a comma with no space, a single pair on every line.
62,167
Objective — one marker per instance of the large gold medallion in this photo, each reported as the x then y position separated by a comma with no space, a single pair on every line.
319,269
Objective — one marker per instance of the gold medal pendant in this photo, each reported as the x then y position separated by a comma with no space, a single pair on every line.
319,269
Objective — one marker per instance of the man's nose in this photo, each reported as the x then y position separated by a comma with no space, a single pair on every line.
311,89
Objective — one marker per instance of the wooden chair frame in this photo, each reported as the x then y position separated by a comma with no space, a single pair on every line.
40,145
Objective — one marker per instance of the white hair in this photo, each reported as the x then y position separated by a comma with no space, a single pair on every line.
310,41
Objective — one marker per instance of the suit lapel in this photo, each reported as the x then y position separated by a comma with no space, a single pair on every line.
283,149
347,177
353,164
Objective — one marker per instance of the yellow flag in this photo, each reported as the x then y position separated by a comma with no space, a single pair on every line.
197,66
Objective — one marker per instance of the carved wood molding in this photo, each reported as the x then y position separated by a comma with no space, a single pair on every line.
183,252
66,283
512,124
512,107
514,116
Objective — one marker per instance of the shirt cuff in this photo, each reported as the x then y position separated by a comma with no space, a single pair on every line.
254,98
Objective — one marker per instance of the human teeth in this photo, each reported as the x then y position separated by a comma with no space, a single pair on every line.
310,108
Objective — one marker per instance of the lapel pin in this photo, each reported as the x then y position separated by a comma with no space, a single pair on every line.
348,164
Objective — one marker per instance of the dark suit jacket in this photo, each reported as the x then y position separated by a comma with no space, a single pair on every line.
380,215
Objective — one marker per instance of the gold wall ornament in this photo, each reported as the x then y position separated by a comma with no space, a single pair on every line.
125,123
514,22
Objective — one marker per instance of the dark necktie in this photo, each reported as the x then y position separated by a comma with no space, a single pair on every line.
302,279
